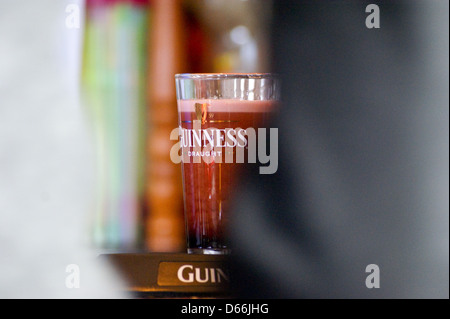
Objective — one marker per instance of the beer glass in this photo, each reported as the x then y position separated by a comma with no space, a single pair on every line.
219,116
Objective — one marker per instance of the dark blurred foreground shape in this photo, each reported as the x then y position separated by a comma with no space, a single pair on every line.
363,172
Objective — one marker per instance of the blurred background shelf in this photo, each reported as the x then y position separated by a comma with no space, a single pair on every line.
131,51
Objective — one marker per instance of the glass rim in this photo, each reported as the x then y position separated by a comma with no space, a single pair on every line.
217,76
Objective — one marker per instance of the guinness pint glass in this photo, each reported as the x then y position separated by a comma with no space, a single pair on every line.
219,117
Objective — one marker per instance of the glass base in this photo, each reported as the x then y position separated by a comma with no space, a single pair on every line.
209,251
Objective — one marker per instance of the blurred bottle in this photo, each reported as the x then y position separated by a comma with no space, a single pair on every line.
238,32
165,221
113,82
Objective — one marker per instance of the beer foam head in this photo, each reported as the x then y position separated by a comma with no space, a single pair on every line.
228,105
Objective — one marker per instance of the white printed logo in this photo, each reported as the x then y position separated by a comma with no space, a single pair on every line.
189,274
225,146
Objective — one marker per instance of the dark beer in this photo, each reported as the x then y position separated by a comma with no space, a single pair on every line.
220,127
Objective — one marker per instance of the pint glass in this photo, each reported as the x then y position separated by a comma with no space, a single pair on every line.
219,116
